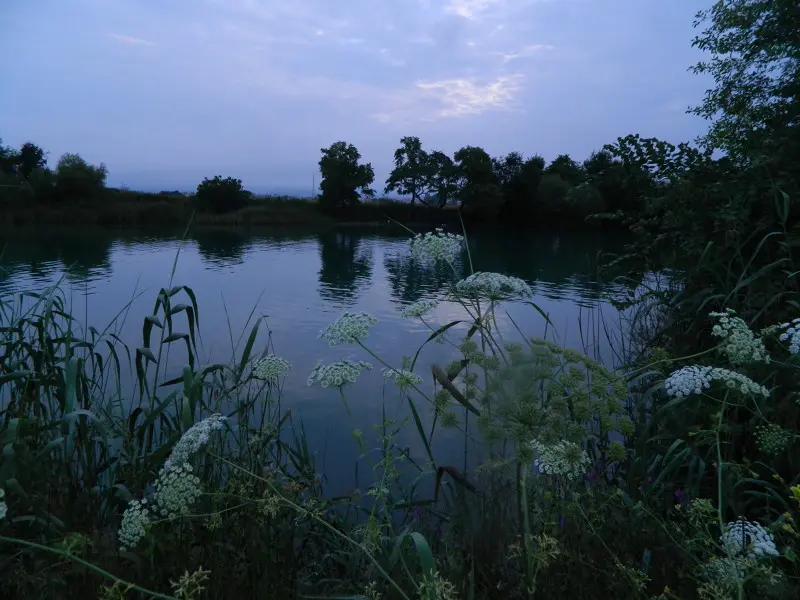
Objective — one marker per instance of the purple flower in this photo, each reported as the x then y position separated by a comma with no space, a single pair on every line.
681,496
561,522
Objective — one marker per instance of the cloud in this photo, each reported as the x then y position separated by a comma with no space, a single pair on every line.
462,97
524,52
130,40
469,9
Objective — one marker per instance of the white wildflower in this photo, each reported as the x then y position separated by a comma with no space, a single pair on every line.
419,308
792,335
740,344
176,489
338,373
348,329
402,377
694,380
435,246
493,286
728,572
746,538
195,438
688,380
562,458
3,505
271,368
135,521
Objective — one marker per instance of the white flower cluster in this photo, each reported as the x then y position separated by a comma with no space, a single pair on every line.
741,345
402,377
135,521
435,246
749,539
195,438
271,368
420,308
562,458
176,489
348,329
695,379
3,505
792,335
493,286
338,373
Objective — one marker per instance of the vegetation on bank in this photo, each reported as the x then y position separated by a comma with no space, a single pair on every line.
673,477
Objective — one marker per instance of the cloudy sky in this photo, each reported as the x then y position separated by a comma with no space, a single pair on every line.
166,92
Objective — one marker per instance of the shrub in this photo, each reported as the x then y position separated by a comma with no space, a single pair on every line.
75,179
222,195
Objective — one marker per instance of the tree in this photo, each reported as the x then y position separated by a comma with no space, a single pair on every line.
569,170
222,195
412,173
78,180
519,180
343,177
30,157
8,159
754,48
444,179
479,191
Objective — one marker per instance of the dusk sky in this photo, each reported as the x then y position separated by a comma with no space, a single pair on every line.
166,92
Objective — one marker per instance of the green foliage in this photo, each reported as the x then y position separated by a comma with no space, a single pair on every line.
222,195
551,195
31,157
479,192
413,173
565,167
75,179
343,177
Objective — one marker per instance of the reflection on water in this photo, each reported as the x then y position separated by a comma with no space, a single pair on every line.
301,281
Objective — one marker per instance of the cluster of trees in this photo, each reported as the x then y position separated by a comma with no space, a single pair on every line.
510,188
25,170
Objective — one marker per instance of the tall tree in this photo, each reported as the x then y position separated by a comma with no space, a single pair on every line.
754,106
412,174
569,170
343,177
30,157
444,178
479,190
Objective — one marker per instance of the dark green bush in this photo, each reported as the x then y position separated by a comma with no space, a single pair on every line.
222,195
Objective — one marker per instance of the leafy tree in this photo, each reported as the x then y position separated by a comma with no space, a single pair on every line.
343,177
412,173
444,179
569,170
75,179
584,200
754,48
519,180
551,195
222,195
8,159
30,157
480,193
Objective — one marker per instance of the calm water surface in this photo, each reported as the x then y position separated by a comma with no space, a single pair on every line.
301,282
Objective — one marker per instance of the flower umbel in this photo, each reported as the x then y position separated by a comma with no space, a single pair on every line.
402,377
493,286
3,505
562,458
740,344
195,438
792,335
435,246
270,368
135,521
695,379
749,539
419,308
338,373
176,489
348,329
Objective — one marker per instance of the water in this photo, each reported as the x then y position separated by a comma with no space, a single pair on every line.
303,281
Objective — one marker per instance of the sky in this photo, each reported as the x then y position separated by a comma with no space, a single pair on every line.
166,92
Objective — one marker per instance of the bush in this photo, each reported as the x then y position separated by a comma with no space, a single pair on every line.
551,194
584,200
222,195
75,179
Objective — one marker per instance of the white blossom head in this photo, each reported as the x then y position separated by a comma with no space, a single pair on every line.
791,334
561,458
176,489
493,286
740,345
348,329
694,380
339,373
746,538
135,522
436,246
418,309
3,505
271,368
195,438
402,377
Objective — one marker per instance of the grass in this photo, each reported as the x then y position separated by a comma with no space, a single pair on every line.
624,494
